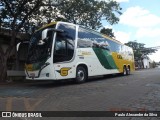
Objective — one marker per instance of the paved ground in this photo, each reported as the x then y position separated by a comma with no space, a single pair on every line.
138,91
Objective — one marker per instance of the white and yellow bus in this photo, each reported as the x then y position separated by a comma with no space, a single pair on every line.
63,50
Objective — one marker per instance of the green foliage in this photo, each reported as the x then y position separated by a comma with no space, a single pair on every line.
15,13
89,13
139,50
108,32
26,14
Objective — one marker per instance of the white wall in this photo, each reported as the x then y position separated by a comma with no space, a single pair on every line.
146,63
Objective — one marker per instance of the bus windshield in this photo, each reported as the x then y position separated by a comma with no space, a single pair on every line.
40,46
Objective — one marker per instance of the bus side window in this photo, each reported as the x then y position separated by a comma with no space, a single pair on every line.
84,43
87,38
103,44
64,43
84,40
107,48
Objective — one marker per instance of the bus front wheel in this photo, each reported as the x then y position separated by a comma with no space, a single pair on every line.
81,74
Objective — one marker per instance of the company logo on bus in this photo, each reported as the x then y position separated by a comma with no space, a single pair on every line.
64,71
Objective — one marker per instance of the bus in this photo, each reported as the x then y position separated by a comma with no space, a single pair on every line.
62,50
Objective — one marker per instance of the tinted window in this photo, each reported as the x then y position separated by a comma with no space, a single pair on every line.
64,43
40,49
69,31
87,38
115,47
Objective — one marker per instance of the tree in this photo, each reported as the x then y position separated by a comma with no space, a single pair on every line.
139,49
14,15
154,64
47,13
90,13
140,52
108,32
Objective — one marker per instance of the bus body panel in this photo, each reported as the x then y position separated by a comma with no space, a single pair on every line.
88,57
65,70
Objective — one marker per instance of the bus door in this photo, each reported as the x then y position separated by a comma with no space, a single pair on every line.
64,51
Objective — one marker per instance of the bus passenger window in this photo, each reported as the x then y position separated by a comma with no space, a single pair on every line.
84,43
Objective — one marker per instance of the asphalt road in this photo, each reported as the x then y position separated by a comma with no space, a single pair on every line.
139,91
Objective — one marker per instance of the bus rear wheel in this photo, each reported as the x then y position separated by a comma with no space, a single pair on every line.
128,71
81,75
125,72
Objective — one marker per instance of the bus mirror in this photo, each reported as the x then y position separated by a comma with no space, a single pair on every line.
44,34
18,46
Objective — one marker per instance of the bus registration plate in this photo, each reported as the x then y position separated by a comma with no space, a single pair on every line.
32,75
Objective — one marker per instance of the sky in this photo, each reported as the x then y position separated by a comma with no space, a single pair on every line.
140,21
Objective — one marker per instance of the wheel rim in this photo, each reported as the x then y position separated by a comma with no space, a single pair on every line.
124,71
80,75
128,71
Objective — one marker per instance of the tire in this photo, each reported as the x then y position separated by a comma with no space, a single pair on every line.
81,75
125,71
128,71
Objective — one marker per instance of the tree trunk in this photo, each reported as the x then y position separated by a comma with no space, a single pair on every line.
3,68
4,55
